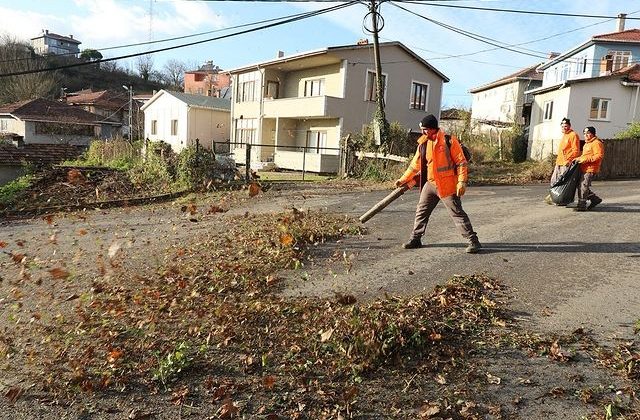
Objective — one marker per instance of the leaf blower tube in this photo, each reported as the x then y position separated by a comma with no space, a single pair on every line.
383,203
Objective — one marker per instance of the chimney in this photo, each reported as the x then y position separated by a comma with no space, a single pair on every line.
71,36
280,54
620,21
46,31
363,41
553,55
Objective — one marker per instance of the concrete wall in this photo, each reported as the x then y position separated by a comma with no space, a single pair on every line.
208,125
164,109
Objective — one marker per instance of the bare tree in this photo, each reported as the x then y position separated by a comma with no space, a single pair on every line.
144,64
173,73
17,56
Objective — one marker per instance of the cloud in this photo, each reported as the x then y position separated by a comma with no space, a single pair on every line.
24,25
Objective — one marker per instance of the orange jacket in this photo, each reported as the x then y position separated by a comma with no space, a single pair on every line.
592,155
569,148
445,168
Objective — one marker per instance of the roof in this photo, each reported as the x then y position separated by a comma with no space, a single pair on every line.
453,114
46,110
59,37
39,154
103,98
328,50
208,68
528,73
199,101
631,36
630,73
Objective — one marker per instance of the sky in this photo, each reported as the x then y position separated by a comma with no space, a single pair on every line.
467,62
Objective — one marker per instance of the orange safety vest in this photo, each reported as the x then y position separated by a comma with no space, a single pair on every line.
592,155
569,148
445,168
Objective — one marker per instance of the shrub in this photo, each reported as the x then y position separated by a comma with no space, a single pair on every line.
195,166
118,154
632,132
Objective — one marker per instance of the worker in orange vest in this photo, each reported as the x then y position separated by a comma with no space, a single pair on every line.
590,161
441,172
568,150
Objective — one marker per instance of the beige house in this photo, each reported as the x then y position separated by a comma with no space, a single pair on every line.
293,110
48,43
180,118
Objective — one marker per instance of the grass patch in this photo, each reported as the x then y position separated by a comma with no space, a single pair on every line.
10,191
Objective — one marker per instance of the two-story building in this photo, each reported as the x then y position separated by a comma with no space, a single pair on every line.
596,83
208,80
503,102
49,43
295,109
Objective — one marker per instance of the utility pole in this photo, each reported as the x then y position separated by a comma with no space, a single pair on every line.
380,124
130,89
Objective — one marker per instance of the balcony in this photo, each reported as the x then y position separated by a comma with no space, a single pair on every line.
313,106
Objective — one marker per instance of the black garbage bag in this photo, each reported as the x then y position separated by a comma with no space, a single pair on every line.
563,191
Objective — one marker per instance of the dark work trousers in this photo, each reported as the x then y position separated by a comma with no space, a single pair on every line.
584,189
428,201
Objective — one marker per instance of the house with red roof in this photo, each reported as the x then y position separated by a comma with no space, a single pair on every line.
596,83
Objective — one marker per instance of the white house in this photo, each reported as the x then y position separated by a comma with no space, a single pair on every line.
503,102
180,118
295,109
48,43
594,84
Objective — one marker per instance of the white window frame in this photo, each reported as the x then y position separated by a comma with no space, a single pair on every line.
174,127
4,125
248,84
245,131
314,87
421,103
620,59
547,110
601,104
316,141
370,89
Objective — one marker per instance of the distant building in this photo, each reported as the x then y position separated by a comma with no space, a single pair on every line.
207,80
49,43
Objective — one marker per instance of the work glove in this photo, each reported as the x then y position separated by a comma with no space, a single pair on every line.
461,188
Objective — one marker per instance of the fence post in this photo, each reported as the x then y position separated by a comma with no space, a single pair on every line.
247,173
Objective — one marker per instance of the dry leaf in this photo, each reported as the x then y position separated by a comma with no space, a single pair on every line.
228,409
324,336
48,218
82,232
18,258
286,239
113,249
429,410
3,244
269,381
13,394
114,355
59,273
254,189
440,379
493,379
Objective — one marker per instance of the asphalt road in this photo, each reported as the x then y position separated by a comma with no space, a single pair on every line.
565,269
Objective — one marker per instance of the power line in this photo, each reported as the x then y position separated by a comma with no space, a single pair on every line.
529,12
301,17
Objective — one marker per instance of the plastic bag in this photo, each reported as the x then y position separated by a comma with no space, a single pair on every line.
563,191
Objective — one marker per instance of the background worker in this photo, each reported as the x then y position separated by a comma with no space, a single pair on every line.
441,172
590,161
568,150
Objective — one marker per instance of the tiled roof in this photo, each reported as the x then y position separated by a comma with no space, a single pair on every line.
632,72
51,111
528,73
630,35
59,37
201,100
101,98
37,154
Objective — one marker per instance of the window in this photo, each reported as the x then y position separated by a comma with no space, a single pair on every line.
371,85
247,83
599,109
314,87
154,126
272,89
316,140
548,110
174,127
419,94
564,75
620,59
246,131
584,65
3,125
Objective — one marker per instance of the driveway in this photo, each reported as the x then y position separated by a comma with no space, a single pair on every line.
565,269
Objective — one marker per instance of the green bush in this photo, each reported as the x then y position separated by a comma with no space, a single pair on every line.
195,166
153,173
118,154
10,191
632,132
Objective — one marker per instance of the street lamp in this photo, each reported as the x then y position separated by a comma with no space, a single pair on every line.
130,89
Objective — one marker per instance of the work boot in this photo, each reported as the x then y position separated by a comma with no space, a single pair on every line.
548,200
595,200
474,245
413,244
581,206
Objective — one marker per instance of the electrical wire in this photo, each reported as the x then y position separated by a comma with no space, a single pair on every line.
282,22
